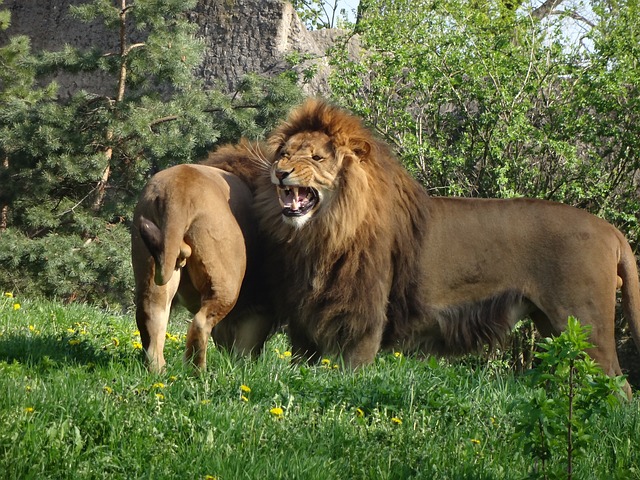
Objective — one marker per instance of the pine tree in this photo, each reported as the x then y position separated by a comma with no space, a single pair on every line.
72,168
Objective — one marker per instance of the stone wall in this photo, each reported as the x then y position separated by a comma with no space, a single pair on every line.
241,36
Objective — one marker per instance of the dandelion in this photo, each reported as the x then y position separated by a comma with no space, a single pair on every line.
136,333
210,477
16,306
137,345
173,378
326,362
475,441
276,412
107,389
71,331
27,388
286,354
158,385
115,342
74,341
172,338
245,389
397,354
243,398
359,413
159,396
32,328
396,420
29,410
8,294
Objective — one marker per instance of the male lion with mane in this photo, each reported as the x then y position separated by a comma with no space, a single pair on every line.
366,260
193,241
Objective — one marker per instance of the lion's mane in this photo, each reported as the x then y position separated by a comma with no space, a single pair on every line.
354,259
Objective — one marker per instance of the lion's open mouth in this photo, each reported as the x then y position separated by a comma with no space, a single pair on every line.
297,201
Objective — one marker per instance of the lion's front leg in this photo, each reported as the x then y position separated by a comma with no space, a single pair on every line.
363,350
302,347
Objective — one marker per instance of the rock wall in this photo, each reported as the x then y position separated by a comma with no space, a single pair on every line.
241,36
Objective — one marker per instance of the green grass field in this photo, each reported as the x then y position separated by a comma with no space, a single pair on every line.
76,402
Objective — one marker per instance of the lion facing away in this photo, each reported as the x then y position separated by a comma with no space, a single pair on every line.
192,240
366,260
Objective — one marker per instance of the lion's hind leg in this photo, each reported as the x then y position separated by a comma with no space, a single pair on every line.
152,316
216,269
596,311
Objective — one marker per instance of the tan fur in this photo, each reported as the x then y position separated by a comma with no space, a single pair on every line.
379,264
193,234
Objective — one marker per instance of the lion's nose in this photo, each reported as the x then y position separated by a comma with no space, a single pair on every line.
282,174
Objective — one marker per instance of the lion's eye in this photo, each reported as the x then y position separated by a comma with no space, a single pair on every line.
317,158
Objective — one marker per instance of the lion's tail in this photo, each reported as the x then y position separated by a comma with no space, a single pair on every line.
628,272
168,255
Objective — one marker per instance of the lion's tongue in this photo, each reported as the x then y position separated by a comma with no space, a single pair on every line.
294,197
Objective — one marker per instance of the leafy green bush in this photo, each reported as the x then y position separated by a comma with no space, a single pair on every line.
568,390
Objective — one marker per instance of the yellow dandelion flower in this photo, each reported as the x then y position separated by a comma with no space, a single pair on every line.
71,331
158,385
32,328
396,420
137,345
243,398
475,441
210,477
326,362
8,294
173,378
16,306
27,388
29,410
172,338
397,354
136,333
286,354
276,412
245,388
107,389
159,396
115,341
74,341
359,413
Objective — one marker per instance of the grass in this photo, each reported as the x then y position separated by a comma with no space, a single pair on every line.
76,402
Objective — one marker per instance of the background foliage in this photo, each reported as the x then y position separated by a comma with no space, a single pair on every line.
72,168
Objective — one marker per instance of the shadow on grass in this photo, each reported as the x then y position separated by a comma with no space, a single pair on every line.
49,351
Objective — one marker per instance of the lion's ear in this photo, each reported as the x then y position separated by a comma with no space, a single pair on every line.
361,147
357,146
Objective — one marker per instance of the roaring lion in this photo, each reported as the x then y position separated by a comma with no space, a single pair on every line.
366,260
192,240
